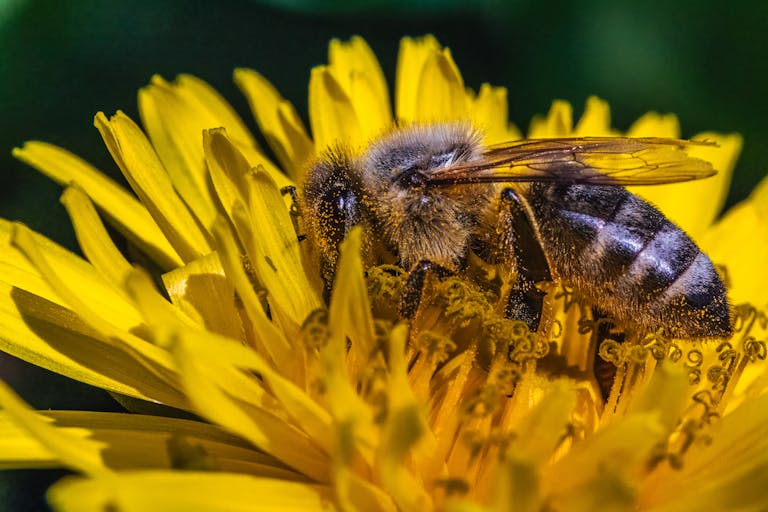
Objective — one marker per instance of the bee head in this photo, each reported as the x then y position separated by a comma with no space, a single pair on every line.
406,157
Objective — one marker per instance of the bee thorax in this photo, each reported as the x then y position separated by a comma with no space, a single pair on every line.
424,227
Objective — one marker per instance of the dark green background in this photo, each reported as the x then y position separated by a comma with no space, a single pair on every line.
62,61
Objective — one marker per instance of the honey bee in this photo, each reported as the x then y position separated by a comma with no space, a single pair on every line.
548,209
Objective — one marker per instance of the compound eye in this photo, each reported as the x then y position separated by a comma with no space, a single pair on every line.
333,201
338,210
411,178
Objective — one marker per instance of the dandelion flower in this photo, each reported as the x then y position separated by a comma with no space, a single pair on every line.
248,394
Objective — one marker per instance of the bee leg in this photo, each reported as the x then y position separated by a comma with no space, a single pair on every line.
414,286
327,271
291,191
294,211
605,371
525,301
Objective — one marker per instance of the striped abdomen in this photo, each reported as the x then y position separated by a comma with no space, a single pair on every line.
628,259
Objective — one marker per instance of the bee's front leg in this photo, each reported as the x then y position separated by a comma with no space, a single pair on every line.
522,249
294,211
414,286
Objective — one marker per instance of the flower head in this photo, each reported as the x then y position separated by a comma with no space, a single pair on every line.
250,394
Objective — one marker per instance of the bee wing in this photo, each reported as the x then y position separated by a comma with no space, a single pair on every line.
592,160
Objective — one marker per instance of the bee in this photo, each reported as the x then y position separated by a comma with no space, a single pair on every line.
429,195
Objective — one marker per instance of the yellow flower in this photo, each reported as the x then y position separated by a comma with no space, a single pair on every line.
249,395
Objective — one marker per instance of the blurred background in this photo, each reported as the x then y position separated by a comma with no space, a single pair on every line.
61,62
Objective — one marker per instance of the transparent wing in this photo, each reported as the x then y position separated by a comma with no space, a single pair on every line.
594,160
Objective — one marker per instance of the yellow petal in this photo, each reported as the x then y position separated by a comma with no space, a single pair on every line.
278,121
726,473
228,168
331,113
221,113
52,337
42,293
257,159
653,124
175,128
157,313
206,386
135,441
408,415
354,323
346,406
540,432
93,238
194,108
607,451
355,58
538,425
274,252
606,492
175,116
723,158
269,341
440,94
201,290
596,120
694,217
141,167
129,216
740,242
216,363
518,487
410,62
187,491
372,114
353,492
665,395
557,123
299,407
95,297
220,391
20,450
358,73
142,441
350,313
443,408
356,434
33,255
71,449
458,505
489,114
403,431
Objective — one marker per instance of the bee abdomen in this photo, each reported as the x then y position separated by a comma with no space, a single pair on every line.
631,261
676,286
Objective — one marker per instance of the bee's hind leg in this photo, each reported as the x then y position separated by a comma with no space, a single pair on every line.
605,371
522,249
525,302
414,286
